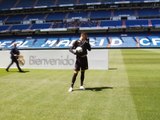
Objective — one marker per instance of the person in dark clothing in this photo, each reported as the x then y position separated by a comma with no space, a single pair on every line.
14,58
81,59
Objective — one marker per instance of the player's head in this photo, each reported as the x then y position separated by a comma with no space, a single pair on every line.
15,45
83,36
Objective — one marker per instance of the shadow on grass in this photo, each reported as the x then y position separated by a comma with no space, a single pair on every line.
97,89
25,71
11,71
112,68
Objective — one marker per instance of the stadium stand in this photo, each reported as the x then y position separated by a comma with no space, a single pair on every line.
156,22
26,3
45,3
36,16
4,28
100,14
56,17
111,24
7,4
41,26
72,2
19,27
15,18
137,23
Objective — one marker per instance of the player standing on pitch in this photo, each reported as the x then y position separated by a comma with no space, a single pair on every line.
81,59
14,57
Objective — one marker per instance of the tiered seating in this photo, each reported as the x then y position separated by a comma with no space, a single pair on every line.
16,18
111,24
35,16
97,40
155,22
137,23
19,27
148,12
26,3
58,25
92,18
124,12
56,16
89,24
70,25
41,26
128,42
100,14
30,42
45,3
88,1
2,18
7,4
39,42
4,28
78,15
60,2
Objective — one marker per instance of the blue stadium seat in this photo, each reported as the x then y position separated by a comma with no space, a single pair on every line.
59,25
156,38
39,42
2,18
36,16
88,1
28,43
111,24
89,24
8,42
41,26
124,12
69,25
137,23
45,3
16,18
65,40
128,42
4,28
56,16
100,14
156,22
78,15
60,2
7,4
148,12
19,27
26,3
49,43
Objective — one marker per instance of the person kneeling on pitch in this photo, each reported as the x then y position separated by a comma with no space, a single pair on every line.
14,57
79,48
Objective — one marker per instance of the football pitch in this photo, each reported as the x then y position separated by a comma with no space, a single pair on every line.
129,90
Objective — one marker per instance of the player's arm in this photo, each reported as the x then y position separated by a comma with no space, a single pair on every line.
88,46
12,53
72,48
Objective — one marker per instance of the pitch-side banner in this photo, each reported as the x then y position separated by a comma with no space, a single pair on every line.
56,59
96,42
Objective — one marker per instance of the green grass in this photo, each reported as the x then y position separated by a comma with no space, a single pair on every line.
143,68
129,90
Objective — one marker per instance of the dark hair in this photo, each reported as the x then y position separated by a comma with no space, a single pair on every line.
84,33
